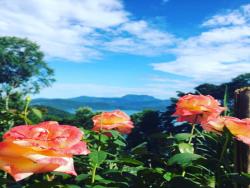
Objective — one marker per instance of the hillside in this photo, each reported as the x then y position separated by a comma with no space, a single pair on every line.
127,102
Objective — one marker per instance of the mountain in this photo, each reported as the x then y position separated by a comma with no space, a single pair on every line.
127,102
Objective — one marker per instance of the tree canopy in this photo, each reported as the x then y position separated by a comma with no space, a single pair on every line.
22,66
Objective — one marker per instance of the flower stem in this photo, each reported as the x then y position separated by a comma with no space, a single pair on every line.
94,169
224,148
189,142
192,134
218,170
93,174
96,165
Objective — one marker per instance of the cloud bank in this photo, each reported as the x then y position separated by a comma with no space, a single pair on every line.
217,54
78,30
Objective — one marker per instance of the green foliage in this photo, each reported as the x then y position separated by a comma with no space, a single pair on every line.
22,66
83,117
97,157
184,159
159,160
49,113
182,137
185,148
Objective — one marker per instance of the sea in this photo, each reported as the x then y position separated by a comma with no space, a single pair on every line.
129,112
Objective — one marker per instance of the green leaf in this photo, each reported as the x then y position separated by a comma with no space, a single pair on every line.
186,148
132,170
81,177
98,157
63,175
119,142
159,170
130,161
184,159
102,180
140,149
114,133
37,113
225,100
182,137
104,138
167,176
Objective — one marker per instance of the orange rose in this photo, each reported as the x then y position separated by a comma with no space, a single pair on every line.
117,120
197,108
46,147
240,128
215,125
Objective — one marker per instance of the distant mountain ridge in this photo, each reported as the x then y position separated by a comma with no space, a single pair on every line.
127,102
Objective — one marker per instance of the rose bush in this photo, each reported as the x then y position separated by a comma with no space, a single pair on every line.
196,159
205,110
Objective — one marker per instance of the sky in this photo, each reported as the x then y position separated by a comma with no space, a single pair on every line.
110,48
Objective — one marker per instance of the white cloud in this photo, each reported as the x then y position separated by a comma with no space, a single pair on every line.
235,17
216,55
142,31
141,39
77,30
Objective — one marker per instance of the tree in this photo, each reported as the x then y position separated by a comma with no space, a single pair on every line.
83,117
218,91
146,124
22,66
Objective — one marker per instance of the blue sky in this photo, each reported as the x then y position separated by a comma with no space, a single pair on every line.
114,47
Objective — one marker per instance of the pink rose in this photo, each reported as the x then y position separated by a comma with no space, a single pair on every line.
197,108
116,120
45,147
